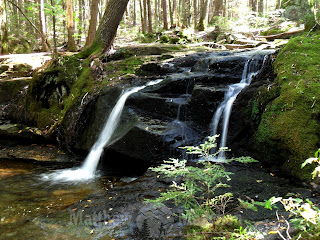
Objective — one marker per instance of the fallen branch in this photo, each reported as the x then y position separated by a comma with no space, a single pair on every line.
281,35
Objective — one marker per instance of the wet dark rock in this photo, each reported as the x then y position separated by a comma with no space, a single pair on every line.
121,213
173,113
19,134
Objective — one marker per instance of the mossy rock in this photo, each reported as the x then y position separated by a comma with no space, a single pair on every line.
164,39
289,131
299,10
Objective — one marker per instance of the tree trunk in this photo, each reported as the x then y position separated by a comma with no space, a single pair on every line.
149,17
143,26
3,28
218,7
109,23
134,12
43,26
195,14
174,11
170,13
94,9
203,14
253,5
164,14
81,14
55,52
261,6
70,25
144,23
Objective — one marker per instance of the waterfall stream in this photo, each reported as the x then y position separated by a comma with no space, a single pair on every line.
251,69
88,169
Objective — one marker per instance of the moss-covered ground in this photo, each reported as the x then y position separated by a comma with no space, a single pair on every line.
290,125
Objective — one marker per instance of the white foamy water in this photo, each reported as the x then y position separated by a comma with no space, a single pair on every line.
251,69
88,169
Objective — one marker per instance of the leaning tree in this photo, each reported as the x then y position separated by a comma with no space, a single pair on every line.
108,27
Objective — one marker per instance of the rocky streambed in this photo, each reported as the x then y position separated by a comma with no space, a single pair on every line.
114,208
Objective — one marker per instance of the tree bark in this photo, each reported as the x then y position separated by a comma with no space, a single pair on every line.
3,28
134,12
218,7
149,18
94,10
164,14
261,6
253,5
170,13
203,14
144,23
109,23
70,26
55,52
195,14
43,26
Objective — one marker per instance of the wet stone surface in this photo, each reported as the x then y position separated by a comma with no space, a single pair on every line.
121,213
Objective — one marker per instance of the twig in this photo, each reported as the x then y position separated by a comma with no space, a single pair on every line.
287,231
84,98
311,29
314,102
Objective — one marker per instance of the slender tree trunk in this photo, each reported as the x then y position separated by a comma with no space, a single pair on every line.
164,14
79,27
175,11
134,12
261,6
109,24
203,14
170,13
218,5
43,26
144,23
150,31
94,9
70,25
3,28
253,5
55,52
195,14
184,12
155,13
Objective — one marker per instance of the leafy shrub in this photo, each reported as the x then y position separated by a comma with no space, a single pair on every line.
304,214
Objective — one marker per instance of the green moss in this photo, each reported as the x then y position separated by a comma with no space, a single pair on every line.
273,31
164,39
94,49
289,130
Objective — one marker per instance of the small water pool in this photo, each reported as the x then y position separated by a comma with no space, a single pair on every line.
24,197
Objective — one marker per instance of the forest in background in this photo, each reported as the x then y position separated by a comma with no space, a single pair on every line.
42,25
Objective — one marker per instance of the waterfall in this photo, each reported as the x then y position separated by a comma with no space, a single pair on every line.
251,69
88,169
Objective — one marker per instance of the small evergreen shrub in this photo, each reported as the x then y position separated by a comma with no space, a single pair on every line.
194,187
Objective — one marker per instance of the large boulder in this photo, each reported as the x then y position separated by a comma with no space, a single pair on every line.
176,112
288,133
298,10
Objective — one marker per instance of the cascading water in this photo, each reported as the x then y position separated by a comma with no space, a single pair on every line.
251,69
88,169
